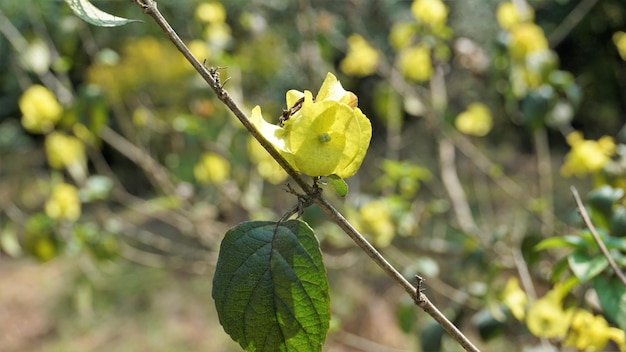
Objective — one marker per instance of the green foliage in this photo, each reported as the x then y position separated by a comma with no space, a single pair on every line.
612,296
270,287
161,170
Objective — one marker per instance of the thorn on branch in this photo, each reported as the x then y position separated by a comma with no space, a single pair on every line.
419,289
215,74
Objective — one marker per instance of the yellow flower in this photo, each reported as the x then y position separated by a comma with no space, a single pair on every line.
211,12
401,34
65,151
619,39
590,332
376,219
526,38
212,168
266,166
430,12
586,156
475,121
546,317
415,63
361,59
508,15
63,203
40,109
327,136
515,299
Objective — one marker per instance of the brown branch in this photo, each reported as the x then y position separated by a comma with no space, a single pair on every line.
420,298
212,79
210,76
596,237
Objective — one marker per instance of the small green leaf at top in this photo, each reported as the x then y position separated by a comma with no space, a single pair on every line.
339,185
270,287
91,14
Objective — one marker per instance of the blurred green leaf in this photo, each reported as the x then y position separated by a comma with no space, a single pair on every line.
561,242
431,338
535,106
618,222
612,295
488,326
603,198
270,287
91,14
586,267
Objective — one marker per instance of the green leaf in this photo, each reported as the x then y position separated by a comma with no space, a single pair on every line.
618,222
612,296
585,267
488,326
561,242
340,186
270,287
603,198
91,14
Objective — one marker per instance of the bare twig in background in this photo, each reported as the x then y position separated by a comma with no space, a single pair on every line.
150,8
546,185
449,174
453,186
578,13
605,251
20,45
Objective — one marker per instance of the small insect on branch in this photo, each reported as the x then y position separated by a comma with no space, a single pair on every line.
292,110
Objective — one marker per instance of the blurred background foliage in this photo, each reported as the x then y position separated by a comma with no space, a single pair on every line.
120,171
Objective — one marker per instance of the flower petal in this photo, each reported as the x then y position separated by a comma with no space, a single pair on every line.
332,89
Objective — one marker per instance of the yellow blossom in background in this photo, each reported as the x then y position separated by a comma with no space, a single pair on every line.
526,38
401,34
266,166
619,39
515,299
430,12
586,156
377,222
508,15
475,121
65,151
212,168
40,109
211,12
415,63
64,203
361,59
546,317
590,332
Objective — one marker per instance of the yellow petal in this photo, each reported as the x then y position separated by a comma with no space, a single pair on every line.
332,89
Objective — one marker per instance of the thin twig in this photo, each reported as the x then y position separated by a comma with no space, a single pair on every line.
583,213
420,298
570,22
150,8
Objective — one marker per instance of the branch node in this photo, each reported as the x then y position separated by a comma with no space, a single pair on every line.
419,289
